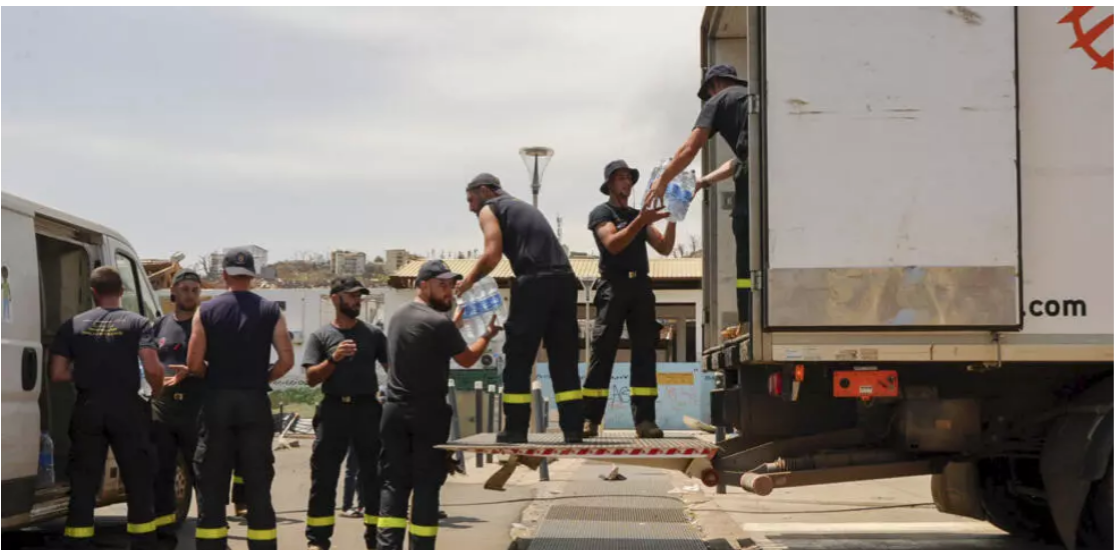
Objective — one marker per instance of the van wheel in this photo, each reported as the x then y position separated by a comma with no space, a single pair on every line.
1096,527
183,489
1019,515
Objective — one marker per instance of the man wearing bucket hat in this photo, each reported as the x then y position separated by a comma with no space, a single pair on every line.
725,113
624,295
543,305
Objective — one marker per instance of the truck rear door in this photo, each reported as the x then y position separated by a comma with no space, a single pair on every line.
890,138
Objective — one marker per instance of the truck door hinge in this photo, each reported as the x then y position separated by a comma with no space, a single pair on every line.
753,103
756,280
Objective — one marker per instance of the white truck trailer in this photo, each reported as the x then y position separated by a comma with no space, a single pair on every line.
931,251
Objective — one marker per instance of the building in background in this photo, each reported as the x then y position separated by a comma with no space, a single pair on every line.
397,258
344,263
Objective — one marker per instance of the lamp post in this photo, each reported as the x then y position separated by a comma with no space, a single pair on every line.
536,159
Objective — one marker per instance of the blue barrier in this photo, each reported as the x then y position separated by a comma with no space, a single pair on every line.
683,390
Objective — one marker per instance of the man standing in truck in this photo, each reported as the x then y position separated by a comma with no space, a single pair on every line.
624,295
230,345
342,357
725,113
174,422
543,305
97,350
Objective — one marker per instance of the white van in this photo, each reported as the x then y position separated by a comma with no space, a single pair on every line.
47,258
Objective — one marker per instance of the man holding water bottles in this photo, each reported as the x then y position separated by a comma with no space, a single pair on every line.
342,356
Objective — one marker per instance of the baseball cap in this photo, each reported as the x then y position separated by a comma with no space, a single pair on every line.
186,275
239,263
435,269
347,285
483,179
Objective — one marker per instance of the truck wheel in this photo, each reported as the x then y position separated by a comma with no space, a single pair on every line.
1096,528
183,489
1019,515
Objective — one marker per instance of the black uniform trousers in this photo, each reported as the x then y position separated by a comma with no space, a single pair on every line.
236,430
741,230
341,421
122,421
174,430
409,462
543,309
623,298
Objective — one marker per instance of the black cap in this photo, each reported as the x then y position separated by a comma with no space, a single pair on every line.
186,275
239,262
611,169
435,269
484,179
718,71
347,285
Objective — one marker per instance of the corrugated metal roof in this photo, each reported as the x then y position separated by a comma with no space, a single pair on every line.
671,269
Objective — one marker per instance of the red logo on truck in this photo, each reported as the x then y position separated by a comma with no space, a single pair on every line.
1088,39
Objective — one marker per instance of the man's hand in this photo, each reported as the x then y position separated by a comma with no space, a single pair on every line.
650,214
180,374
463,286
655,197
459,316
493,328
345,350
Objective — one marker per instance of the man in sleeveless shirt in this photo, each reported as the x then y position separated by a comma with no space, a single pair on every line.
543,305
231,348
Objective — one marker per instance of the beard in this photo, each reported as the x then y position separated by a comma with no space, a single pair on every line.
442,305
350,312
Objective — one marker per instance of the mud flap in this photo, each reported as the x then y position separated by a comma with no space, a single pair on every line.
1077,450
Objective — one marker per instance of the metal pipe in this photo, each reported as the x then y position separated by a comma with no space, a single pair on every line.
539,423
478,389
491,413
455,424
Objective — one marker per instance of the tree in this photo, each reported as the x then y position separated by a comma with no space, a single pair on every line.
378,260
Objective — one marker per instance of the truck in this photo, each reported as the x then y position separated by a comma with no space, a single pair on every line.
47,258
930,232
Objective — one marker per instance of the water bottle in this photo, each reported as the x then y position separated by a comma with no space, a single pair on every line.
478,305
46,460
679,191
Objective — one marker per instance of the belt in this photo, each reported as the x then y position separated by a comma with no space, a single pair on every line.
348,399
545,274
617,275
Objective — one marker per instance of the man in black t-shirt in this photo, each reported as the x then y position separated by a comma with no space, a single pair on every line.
543,305
342,357
624,295
230,346
421,339
725,112
97,351
174,422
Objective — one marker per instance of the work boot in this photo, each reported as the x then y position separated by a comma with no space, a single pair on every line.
511,437
592,429
648,429
517,423
573,437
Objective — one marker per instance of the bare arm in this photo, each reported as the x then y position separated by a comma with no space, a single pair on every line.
662,244
152,369
684,157
316,374
195,350
281,340
60,370
716,176
615,240
475,350
493,250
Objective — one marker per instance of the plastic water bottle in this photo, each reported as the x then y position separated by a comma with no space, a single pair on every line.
679,191
46,460
478,305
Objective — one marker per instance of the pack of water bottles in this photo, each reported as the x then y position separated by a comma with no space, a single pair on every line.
479,304
679,192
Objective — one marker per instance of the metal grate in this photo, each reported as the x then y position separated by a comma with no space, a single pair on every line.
610,513
554,443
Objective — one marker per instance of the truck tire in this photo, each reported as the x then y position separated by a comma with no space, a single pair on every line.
1018,515
183,489
1096,528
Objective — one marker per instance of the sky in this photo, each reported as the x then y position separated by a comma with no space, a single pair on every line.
298,129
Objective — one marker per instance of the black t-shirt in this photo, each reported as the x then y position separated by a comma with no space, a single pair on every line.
631,258
238,333
103,345
726,114
420,342
172,338
354,375
528,240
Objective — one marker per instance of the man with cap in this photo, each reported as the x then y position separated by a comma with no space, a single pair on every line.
230,347
342,357
174,419
725,112
624,295
97,350
421,339
543,305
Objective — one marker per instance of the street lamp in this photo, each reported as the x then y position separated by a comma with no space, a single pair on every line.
536,159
